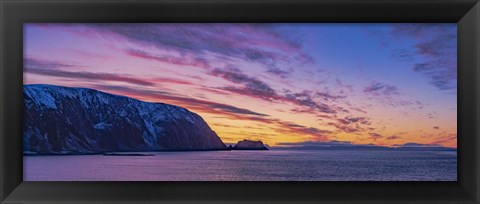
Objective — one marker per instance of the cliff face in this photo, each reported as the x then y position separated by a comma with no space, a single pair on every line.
61,120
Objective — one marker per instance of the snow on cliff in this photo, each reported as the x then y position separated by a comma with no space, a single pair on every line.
63,120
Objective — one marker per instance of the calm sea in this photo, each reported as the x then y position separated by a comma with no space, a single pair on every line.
273,165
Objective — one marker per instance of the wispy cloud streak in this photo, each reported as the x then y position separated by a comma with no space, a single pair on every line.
257,43
196,62
438,47
253,87
52,68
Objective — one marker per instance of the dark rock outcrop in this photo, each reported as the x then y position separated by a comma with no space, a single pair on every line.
250,145
62,120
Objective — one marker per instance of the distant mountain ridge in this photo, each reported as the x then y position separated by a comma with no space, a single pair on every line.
64,120
339,145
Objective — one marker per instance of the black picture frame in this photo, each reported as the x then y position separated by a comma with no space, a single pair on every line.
466,13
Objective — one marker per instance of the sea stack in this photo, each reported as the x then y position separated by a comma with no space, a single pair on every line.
250,145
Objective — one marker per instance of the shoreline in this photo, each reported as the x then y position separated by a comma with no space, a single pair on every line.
126,152
140,153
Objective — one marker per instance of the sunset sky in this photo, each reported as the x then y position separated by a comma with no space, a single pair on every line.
381,84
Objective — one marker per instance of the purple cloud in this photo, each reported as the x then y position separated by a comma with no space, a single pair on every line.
392,137
342,86
196,62
253,87
289,128
34,63
352,120
89,76
381,89
306,99
53,68
437,46
346,128
403,55
92,76
278,71
351,124
375,136
258,43
389,95
328,96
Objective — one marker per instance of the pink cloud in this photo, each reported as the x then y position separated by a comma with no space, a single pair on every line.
185,61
